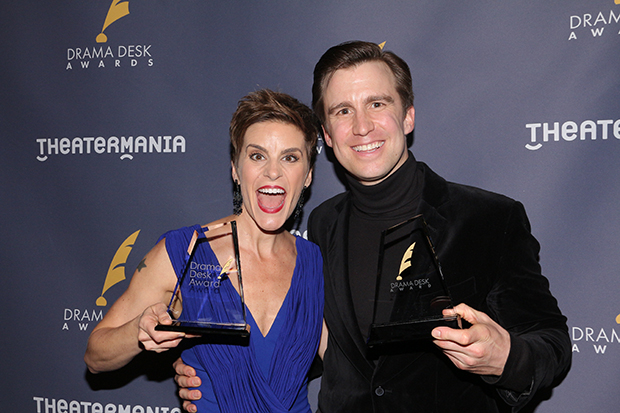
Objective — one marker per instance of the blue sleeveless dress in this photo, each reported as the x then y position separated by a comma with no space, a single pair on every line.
269,375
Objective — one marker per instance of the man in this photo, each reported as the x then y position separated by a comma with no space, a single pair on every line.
517,341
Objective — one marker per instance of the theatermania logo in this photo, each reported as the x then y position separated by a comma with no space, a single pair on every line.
82,318
571,132
98,54
595,24
125,146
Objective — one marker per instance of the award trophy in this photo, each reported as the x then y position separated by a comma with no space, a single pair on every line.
208,307
410,293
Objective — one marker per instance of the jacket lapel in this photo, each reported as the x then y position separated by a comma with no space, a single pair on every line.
348,333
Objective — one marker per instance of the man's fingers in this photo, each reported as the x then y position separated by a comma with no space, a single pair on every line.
189,407
187,381
451,335
189,394
183,369
468,314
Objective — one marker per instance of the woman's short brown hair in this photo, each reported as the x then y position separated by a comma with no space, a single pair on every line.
268,106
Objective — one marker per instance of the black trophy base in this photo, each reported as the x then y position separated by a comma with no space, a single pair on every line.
389,337
235,334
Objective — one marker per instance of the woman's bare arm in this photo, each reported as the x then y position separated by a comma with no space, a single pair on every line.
129,325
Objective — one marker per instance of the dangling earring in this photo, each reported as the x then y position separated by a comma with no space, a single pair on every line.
237,198
300,203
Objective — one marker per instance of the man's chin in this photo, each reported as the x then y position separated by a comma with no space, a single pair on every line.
370,179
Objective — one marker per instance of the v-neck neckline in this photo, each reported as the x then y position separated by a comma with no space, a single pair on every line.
249,312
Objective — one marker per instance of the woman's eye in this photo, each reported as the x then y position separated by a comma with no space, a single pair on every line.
256,156
291,158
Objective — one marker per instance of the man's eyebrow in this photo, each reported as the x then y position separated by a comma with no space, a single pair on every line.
337,107
375,98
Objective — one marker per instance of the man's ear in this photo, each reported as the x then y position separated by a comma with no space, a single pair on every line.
328,139
409,121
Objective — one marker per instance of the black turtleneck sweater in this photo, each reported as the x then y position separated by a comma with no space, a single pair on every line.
378,207
374,209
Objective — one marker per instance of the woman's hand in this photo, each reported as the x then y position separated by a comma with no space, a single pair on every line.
129,325
151,339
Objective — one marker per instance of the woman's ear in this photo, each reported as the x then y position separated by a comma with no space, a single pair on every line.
235,177
309,177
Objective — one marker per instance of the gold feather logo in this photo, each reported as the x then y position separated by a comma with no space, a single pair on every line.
116,272
118,9
406,261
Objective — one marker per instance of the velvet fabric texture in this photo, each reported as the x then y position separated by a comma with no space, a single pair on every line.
490,262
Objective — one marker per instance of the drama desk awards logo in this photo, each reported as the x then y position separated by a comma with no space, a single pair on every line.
118,9
115,274
101,56
595,23
599,337
116,271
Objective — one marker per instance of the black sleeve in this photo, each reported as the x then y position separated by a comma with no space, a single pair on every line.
522,303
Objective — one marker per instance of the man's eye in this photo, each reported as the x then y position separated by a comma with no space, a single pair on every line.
343,112
377,104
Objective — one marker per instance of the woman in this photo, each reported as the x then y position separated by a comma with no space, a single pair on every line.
273,138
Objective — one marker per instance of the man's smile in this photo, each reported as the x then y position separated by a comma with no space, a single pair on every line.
368,147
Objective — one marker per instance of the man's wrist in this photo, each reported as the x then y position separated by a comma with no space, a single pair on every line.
519,368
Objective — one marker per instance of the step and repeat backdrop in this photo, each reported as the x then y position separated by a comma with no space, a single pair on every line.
114,129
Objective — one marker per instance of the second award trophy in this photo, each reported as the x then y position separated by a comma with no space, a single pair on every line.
410,293
211,304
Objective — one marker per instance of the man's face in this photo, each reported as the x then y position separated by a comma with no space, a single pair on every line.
365,123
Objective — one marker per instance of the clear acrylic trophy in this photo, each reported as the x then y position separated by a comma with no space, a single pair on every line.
206,308
410,292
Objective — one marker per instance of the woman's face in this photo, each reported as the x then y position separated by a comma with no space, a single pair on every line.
272,169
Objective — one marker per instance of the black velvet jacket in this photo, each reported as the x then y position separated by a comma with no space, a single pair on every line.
490,262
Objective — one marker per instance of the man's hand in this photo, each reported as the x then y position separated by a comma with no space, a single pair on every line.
482,349
187,379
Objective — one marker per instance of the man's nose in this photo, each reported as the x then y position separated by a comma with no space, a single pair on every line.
362,123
